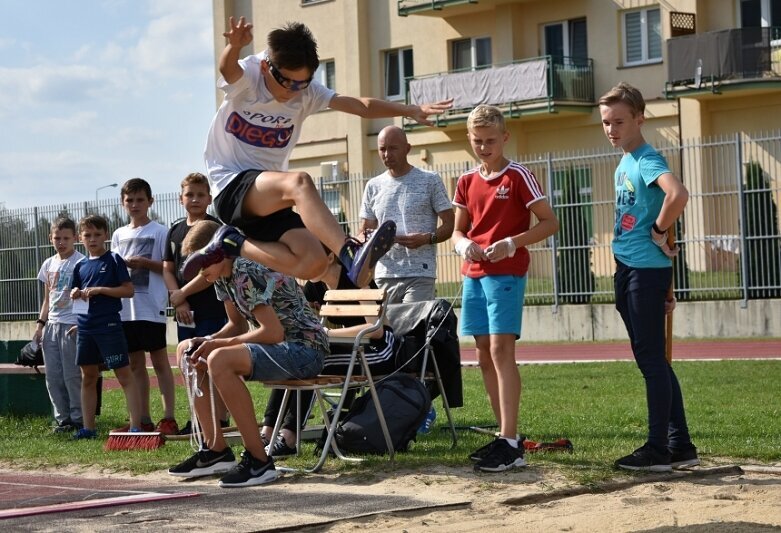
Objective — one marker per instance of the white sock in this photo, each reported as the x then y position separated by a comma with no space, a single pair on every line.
511,442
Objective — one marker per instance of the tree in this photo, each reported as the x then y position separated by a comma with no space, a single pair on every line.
576,280
760,226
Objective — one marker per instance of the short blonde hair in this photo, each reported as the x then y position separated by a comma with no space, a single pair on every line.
199,236
485,116
627,94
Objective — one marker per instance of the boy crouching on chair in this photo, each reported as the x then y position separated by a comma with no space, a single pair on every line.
287,342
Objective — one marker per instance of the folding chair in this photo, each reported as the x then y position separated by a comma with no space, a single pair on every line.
340,303
425,322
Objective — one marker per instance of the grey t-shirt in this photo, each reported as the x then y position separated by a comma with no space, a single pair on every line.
412,201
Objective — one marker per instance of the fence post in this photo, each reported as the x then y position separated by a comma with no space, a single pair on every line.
38,294
554,255
742,214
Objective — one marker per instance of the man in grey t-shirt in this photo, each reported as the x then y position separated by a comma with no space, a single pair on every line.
415,199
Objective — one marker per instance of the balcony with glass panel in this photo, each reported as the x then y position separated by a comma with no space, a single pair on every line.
542,85
447,8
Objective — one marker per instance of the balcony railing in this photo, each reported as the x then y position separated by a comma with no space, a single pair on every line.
723,59
547,84
410,7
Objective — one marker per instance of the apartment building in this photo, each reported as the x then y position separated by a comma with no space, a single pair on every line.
705,67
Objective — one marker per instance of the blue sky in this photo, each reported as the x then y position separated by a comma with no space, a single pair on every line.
94,92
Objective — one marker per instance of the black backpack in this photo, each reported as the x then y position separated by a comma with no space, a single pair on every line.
405,403
31,355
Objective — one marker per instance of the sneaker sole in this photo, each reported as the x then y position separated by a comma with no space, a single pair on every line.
219,468
652,468
380,241
518,463
267,477
685,464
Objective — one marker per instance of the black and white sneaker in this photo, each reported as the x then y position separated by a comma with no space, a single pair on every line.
205,463
646,459
482,452
502,457
684,458
249,472
280,448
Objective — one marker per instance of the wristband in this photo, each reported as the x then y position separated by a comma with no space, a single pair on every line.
41,322
657,230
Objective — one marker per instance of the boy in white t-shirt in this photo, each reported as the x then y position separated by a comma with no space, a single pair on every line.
55,328
267,98
142,245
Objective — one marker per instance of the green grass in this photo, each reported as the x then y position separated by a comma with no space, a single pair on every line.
732,407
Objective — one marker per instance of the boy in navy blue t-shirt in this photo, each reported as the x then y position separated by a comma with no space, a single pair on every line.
101,280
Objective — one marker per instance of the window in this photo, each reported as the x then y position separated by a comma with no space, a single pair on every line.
326,73
566,39
471,53
398,65
642,36
761,14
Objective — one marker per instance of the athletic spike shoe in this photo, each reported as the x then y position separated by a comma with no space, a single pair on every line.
360,259
226,243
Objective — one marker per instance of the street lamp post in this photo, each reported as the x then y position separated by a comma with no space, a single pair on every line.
104,187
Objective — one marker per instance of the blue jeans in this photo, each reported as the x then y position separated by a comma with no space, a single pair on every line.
286,360
640,295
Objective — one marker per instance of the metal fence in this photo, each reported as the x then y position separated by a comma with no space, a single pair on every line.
729,233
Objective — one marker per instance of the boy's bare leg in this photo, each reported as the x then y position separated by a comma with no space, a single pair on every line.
509,382
298,253
165,381
226,366
487,368
140,381
125,377
89,394
277,190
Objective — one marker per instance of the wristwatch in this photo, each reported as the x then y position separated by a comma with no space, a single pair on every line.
657,229
41,322
433,239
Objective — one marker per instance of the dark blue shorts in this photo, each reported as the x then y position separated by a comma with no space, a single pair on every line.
107,348
144,336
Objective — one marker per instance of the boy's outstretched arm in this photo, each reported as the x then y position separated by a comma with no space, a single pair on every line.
239,36
375,108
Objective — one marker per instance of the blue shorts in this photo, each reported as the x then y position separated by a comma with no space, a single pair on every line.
284,361
107,348
492,305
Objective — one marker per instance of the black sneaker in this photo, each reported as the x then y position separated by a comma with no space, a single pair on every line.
225,243
249,472
360,258
280,448
684,458
481,453
647,459
205,463
66,426
502,457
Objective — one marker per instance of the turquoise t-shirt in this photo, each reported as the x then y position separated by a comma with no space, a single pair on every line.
638,202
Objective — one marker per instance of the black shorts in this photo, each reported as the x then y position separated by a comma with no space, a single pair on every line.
270,228
144,336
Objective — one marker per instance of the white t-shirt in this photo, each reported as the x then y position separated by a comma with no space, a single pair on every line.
150,299
251,130
57,276
412,201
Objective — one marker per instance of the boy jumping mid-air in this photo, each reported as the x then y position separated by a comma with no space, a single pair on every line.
267,98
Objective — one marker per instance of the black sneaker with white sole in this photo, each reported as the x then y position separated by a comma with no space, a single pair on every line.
684,458
502,457
205,463
481,453
280,448
250,471
647,459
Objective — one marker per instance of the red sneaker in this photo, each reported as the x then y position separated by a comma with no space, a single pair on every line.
167,426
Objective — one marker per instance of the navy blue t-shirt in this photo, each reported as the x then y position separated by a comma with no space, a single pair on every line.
108,270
